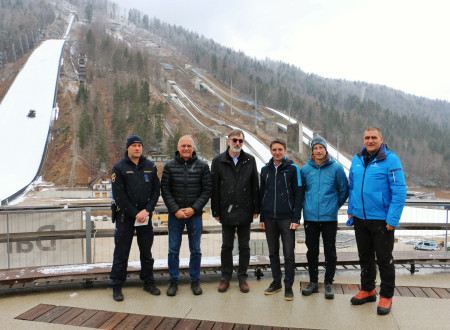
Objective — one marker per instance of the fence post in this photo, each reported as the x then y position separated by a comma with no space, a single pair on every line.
446,231
88,236
8,246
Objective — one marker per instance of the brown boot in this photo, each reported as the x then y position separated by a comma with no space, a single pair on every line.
243,285
223,286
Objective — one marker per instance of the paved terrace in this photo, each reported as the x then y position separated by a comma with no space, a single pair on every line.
34,299
422,300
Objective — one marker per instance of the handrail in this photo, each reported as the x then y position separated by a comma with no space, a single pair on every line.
160,208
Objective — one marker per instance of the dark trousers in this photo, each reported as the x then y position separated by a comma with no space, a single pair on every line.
123,237
373,239
226,255
312,233
194,227
274,230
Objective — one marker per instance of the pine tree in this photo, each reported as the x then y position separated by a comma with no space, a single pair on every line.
85,129
172,142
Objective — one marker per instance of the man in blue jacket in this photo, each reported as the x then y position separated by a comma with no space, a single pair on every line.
281,194
326,190
377,197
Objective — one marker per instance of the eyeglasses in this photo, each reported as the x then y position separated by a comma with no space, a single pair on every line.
236,140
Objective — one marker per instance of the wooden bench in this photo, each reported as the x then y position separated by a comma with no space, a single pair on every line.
100,271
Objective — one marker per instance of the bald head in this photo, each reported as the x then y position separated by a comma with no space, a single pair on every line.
186,147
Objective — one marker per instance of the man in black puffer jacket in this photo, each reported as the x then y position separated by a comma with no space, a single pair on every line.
135,188
185,188
235,203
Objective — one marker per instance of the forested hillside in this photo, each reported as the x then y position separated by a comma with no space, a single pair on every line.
415,127
122,90
22,26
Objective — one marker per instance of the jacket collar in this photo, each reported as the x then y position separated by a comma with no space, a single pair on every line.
329,160
381,154
179,159
141,159
286,162
227,158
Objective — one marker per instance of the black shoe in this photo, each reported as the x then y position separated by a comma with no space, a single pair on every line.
195,287
274,287
152,289
172,289
117,294
310,289
329,293
288,294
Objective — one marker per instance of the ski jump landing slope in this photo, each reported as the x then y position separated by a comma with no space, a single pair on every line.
22,139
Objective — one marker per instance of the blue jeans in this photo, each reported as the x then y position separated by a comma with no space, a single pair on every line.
274,230
194,226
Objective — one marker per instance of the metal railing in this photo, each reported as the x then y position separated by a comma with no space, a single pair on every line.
50,236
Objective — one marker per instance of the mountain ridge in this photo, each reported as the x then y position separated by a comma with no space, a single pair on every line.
337,109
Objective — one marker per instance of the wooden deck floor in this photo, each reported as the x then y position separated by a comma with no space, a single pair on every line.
99,319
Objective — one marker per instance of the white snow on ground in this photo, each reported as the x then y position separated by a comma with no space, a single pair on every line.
159,264
23,139
69,26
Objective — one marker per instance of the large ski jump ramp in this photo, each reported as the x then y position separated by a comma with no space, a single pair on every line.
22,139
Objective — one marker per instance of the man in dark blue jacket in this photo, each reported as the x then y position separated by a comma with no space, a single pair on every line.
375,205
185,188
281,194
135,187
326,190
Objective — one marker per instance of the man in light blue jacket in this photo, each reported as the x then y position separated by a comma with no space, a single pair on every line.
326,190
375,205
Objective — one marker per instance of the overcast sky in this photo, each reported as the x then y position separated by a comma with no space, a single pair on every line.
403,44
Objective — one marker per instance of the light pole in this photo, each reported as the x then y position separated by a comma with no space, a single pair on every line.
231,97
256,119
337,145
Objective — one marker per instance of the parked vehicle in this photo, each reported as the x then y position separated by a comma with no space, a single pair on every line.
427,245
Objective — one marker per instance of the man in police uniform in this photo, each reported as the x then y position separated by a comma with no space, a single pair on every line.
135,188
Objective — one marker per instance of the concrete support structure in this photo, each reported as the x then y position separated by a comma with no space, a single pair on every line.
219,145
295,137
271,128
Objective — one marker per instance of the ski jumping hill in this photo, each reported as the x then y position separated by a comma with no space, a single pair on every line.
23,139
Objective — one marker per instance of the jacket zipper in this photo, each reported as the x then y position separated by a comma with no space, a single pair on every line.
318,194
287,192
264,197
362,191
185,184
275,195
